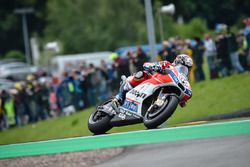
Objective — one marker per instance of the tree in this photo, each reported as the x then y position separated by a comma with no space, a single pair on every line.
15,54
11,35
86,26
195,28
223,11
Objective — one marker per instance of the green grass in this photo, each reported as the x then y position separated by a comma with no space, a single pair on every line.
216,97
211,97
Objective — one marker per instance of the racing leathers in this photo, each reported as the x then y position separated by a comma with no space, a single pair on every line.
139,77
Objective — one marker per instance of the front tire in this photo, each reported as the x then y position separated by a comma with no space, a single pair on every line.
153,120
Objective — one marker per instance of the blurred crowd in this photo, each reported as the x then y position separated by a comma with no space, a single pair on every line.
225,53
42,96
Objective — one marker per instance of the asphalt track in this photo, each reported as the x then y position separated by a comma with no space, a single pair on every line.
214,152
204,131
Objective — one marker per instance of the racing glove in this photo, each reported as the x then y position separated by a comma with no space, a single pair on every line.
153,67
157,68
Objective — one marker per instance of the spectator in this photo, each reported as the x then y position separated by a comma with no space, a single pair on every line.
166,53
132,63
91,92
84,83
120,65
210,53
185,47
19,105
112,78
242,43
46,93
198,59
59,90
31,104
162,54
54,99
233,52
77,97
66,90
173,50
3,118
7,101
40,98
141,58
105,80
223,55
247,34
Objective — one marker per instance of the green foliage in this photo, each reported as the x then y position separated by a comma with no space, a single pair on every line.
223,11
169,27
195,28
15,54
209,98
85,26
238,25
11,32
107,25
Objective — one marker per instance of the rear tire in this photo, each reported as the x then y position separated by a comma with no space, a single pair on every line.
163,113
99,124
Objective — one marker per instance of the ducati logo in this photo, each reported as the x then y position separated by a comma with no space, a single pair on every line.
137,93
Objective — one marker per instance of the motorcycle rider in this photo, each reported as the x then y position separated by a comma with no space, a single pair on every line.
181,60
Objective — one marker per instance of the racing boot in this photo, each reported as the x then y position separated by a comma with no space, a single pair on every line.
120,97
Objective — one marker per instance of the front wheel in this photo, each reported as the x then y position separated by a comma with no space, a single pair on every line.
156,116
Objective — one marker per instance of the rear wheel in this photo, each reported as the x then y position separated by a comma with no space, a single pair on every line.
99,122
155,116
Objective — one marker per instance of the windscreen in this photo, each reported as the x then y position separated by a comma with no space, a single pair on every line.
182,69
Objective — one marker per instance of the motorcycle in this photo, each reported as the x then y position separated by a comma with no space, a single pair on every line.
152,102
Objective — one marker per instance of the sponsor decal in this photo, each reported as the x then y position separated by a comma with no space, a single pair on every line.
130,105
126,113
137,93
174,77
122,116
188,92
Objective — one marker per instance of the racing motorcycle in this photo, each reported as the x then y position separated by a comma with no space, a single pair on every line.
152,102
